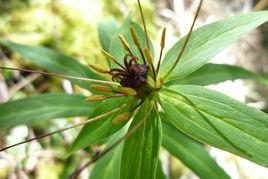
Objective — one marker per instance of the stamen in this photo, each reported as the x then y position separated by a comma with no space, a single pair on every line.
159,83
122,117
126,115
186,40
150,61
62,130
127,91
137,42
125,44
97,98
135,36
162,45
60,75
144,26
148,56
97,69
116,96
101,88
110,57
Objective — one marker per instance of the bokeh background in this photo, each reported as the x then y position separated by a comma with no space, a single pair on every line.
70,26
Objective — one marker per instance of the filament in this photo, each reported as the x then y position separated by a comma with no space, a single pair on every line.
61,75
62,130
144,26
186,40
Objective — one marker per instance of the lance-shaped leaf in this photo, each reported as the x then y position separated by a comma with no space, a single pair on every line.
216,73
208,41
106,30
191,153
218,120
43,107
159,172
116,48
53,61
100,130
109,166
140,153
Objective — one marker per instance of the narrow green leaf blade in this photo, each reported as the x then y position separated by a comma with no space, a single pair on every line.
218,120
43,107
100,130
159,172
106,30
191,153
216,73
140,152
208,41
53,61
109,166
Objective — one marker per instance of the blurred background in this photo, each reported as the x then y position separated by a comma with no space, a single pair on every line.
70,26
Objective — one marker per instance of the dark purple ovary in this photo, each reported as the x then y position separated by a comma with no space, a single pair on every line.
136,76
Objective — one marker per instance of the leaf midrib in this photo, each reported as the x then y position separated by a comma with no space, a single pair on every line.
229,107
257,140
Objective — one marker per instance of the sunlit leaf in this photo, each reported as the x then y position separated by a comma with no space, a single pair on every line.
218,120
208,41
140,153
106,30
191,153
216,73
159,172
109,166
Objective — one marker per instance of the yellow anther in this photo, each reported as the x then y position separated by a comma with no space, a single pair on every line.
97,69
148,55
159,83
96,98
127,91
110,57
135,36
122,117
106,54
124,42
101,88
163,38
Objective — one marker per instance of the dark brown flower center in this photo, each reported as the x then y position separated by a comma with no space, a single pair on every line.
136,76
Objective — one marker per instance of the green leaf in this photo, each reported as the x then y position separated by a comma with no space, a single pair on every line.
140,153
53,61
106,30
216,73
117,50
218,120
208,41
191,153
109,166
43,107
159,172
99,131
